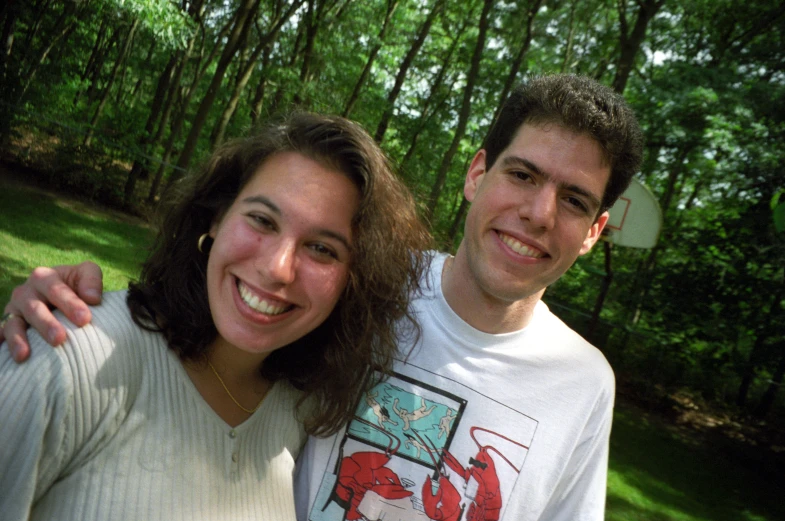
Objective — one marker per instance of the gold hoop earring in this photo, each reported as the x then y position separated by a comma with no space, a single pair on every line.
200,244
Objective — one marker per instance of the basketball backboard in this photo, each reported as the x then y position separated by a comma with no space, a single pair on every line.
636,218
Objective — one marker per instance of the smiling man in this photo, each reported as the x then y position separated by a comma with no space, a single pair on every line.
521,404
534,400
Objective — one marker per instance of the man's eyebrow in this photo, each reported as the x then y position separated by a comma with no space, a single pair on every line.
260,199
517,161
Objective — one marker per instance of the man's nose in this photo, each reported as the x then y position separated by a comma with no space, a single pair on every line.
540,208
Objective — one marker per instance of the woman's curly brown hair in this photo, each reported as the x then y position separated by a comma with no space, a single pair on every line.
329,364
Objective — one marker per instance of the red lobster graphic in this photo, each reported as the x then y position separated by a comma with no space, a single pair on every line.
364,471
482,481
443,503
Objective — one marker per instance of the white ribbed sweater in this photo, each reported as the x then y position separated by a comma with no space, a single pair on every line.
111,427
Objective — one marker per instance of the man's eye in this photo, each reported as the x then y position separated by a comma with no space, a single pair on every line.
578,204
523,176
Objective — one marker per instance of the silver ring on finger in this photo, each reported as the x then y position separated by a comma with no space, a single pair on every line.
5,319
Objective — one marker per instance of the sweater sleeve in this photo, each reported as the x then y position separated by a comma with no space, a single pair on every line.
60,406
36,401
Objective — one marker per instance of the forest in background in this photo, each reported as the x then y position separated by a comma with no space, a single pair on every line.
116,99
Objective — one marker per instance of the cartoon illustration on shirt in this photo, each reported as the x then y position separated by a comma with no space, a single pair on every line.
461,467
362,473
410,417
481,478
411,441
445,422
381,413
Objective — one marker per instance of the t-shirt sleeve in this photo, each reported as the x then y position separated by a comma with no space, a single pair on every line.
580,494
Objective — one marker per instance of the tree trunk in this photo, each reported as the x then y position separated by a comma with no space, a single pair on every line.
121,92
243,21
158,99
98,65
10,14
422,33
767,400
173,93
245,75
436,83
38,18
65,27
392,5
463,118
311,29
565,64
750,368
95,53
258,99
630,42
518,60
749,371
600,302
129,39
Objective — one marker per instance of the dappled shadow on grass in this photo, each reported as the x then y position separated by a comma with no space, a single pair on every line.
9,276
35,217
623,510
655,472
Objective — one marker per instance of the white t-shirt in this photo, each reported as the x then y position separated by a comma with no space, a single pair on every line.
472,425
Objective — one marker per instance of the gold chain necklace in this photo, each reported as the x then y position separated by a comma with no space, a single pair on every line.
249,411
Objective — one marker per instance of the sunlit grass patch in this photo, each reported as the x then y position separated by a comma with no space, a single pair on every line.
38,229
658,474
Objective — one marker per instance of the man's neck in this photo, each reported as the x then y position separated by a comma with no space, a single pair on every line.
479,309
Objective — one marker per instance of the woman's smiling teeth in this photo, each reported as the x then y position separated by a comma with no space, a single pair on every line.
519,247
260,305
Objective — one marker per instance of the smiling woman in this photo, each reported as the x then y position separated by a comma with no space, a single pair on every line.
277,279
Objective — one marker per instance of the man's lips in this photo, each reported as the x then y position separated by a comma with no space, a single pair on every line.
264,305
520,248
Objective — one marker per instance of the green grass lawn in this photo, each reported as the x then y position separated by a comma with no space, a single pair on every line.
39,229
655,475
661,474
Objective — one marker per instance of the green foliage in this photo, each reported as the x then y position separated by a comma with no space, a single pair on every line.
707,83
167,23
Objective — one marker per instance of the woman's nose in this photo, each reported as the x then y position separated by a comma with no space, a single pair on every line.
281,263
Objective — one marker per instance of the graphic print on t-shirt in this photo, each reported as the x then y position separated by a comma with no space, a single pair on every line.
424,451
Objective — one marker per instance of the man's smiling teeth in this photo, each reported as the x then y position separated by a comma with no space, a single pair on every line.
262,306
519,247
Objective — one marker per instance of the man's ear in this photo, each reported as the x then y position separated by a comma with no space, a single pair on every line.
594,232
474,175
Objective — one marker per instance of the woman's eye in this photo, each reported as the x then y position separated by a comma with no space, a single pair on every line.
323,250
263,221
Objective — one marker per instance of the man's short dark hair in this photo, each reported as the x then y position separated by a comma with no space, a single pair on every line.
580,104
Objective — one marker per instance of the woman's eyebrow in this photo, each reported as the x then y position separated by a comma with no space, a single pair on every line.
260,199
325,232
